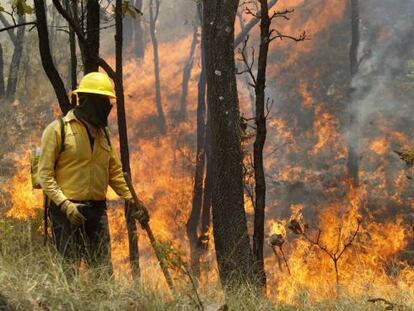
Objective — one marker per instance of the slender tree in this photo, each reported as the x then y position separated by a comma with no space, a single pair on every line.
187,71
93,10
267,35
231,239
46,57
197,203
123,139
139,37
154,10
353,139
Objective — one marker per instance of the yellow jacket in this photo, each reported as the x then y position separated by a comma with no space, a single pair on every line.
80,173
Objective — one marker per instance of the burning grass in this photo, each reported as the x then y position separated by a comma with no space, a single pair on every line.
30,279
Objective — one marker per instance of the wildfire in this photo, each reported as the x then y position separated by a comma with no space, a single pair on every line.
354,223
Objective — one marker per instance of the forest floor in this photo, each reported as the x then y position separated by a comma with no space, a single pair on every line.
30,279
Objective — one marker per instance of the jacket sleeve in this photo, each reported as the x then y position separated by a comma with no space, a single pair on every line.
116,177
46,170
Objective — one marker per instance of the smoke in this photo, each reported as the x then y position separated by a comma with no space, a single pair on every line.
386,47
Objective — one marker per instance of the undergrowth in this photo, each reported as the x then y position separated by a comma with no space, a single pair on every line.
30,279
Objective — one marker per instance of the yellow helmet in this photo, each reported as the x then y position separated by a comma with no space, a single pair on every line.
96,83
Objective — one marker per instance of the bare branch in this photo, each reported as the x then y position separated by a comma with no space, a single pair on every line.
16,26
303,36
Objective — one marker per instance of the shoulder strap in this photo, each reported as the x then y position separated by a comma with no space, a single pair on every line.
62,135
107,137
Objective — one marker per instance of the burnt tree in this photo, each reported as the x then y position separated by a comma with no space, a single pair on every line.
187,72
193,222
234,256
46,57
154,10
123,138
93,11
262,109
353,139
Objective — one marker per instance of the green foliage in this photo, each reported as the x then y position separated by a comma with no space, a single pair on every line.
22,7
171,256
129,9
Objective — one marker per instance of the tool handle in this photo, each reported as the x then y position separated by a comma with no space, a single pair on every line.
151,236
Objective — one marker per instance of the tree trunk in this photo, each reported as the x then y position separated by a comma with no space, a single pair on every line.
92,35
260,119
123,140
73,64
139,39
194,219
231,238
204,238
46,57
353,139
187,74
16,59
154,9
1,72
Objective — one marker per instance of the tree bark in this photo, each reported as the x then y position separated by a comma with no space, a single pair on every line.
123,139
204,238
139,39
92,35
231,238
353,139
187,74
261,132
46,57
16,59
71,6
1,72
154,9
194,219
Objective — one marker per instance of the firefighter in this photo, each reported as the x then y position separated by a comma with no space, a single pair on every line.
76,177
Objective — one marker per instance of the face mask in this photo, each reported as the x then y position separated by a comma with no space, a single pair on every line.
94,109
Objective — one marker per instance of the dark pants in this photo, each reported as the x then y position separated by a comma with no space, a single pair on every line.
90,241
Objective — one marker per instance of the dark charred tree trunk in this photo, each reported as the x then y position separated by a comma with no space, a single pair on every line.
92,35
16,59
72,7
353,139
187,73
1,72
123,140
46,57
139,39
204,238
154,10
234,256
194,219
261,132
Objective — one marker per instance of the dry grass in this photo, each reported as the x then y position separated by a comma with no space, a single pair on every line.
30,279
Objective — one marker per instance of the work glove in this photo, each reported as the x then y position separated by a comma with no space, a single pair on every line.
139,211
72,212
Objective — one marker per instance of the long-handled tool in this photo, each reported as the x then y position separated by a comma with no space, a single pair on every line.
151,236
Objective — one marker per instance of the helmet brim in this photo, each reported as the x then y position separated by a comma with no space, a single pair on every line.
93,91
